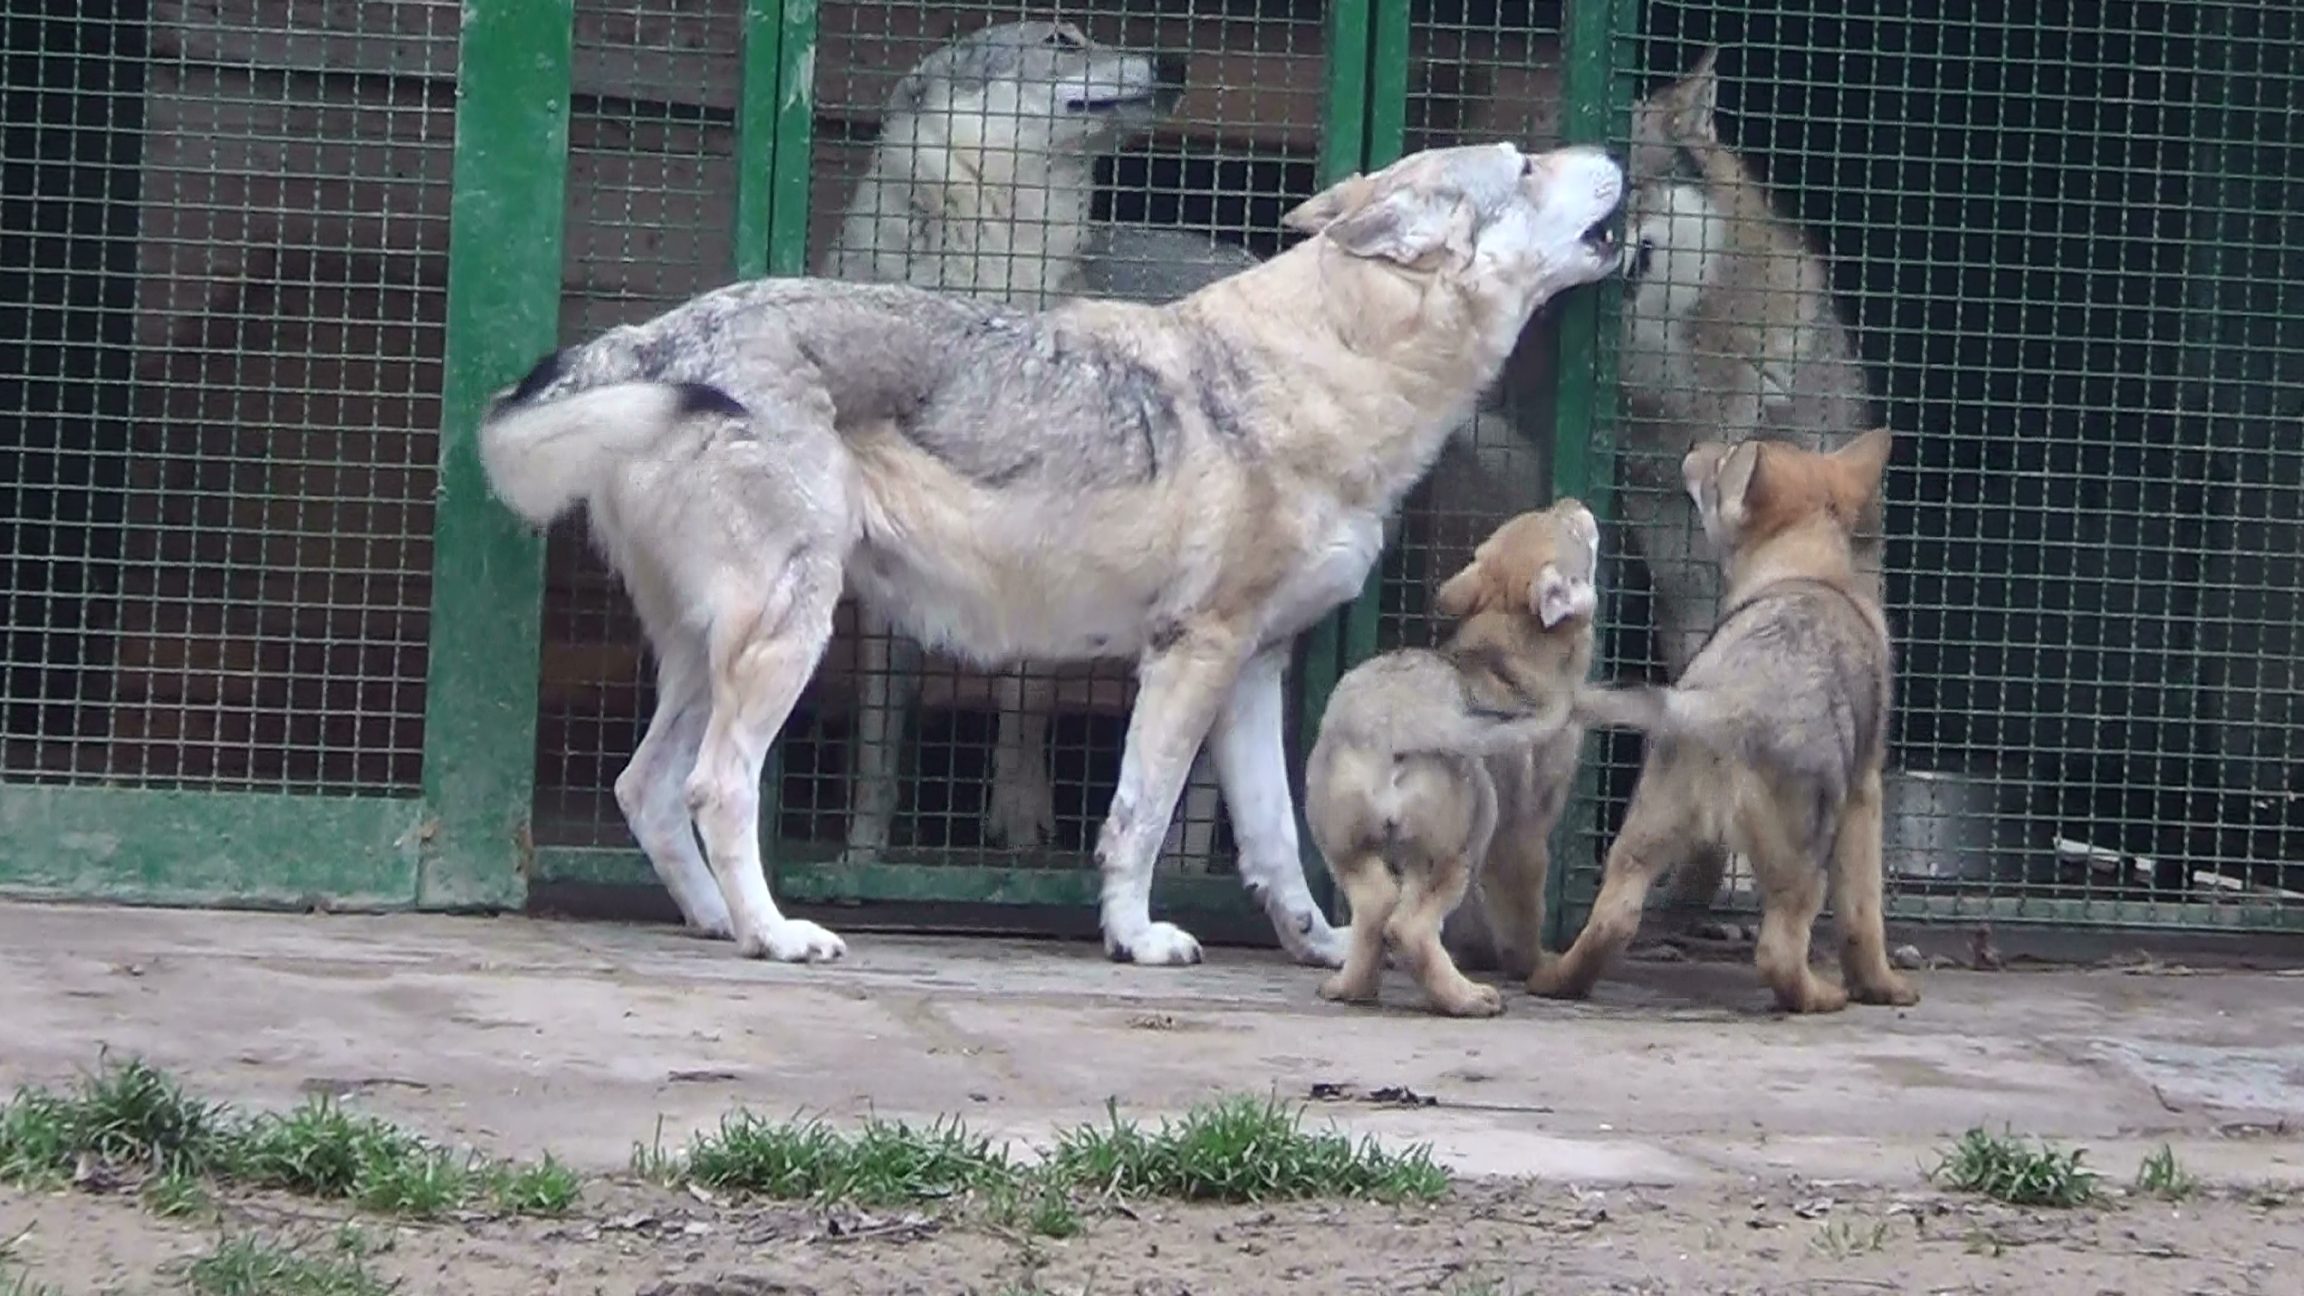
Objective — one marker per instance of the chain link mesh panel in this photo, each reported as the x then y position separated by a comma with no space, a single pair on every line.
220,341
651,219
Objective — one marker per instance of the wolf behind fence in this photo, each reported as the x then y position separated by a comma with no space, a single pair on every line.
981,181
1218,470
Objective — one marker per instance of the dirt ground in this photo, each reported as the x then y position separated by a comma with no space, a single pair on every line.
1758,1239
1669,1136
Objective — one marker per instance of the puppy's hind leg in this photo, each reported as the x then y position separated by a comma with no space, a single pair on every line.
763,647
649,789
1856,903
1427,897
1792,894
1374,893
1654,836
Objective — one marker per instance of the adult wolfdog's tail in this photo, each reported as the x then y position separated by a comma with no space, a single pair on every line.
543,455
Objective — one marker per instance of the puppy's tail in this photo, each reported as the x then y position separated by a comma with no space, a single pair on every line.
1663,712
1643,707
543,455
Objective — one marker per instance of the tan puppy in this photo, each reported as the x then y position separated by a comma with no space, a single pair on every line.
1432,767
1773,741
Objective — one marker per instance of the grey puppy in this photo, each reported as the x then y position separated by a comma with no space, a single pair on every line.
1774,741
1438,772
1189,486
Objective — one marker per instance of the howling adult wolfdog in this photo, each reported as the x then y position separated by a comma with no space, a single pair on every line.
1189,485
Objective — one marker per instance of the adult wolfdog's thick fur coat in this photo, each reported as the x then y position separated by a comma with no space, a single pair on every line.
1189,485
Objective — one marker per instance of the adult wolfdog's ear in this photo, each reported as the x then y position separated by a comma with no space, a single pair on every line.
1323,209
1384,216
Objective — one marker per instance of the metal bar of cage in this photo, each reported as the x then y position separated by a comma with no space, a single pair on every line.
487,593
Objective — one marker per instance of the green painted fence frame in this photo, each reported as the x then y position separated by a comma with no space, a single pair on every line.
464,841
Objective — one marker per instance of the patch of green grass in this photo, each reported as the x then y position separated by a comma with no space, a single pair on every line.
1238,1150
258,1266
2159,1175
2007,1169
132,1124
1842,1238
1242,1149
884,1163
129,1121
545,1188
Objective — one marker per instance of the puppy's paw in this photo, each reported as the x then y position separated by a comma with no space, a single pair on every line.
1344,991
794,940
1555,979
1154,945
1475,1000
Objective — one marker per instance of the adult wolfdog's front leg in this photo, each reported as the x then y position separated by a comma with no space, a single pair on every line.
1178,691
1249,743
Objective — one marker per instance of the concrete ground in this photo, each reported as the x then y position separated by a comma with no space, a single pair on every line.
524,1035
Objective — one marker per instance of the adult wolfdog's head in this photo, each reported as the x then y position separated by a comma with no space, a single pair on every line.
1032,87
1500,230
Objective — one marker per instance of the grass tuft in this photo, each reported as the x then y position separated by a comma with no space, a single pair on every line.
1241,1150
132,1125
2007,1169
2159,1175
258,1266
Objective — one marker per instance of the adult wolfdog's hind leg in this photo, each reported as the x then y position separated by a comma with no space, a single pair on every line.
1249,745
763,649
650,788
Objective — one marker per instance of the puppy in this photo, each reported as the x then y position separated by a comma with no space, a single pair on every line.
1773,741
1433,766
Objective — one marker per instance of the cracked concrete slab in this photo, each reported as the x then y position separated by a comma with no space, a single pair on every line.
524,1035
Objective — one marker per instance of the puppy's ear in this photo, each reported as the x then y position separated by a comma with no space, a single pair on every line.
1556,596
1386,218
1856,470
1741,482
1464,593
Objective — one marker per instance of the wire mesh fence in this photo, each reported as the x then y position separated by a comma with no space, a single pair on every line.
220,344
2054,245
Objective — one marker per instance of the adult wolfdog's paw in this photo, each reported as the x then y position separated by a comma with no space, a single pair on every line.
711,929
1155,945
1891,991
795,940
1310,940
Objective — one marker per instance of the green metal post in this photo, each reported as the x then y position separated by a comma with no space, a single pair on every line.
1387,134
795,139
1595,109
504,247
1343,152
756,153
